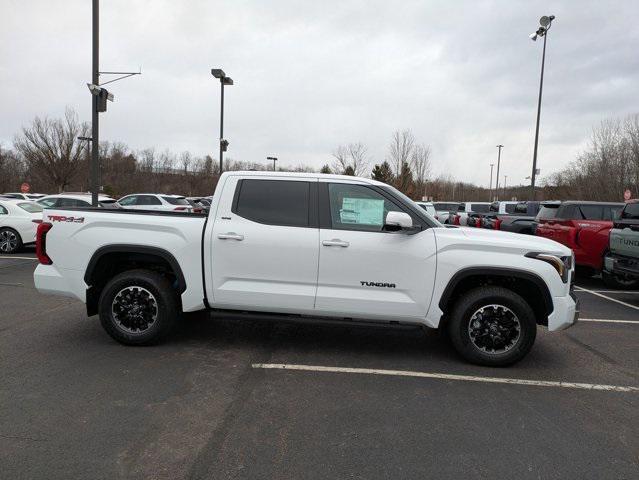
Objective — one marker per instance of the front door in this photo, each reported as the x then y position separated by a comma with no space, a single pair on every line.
364,271
265,245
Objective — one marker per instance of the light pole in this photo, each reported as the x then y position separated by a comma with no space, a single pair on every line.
224,80
88,140
544,25
497,176
490,189
274,160
505,178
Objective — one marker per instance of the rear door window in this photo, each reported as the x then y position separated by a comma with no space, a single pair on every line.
611,212
591,212
129,201
176,200
510,207
480,208
569,212
148,200
273,202
520,208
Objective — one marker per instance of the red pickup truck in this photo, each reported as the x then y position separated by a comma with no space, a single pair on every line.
584,227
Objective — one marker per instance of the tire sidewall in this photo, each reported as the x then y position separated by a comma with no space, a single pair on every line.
164,295
18,244
481,297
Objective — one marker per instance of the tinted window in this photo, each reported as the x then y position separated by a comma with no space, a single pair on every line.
510,207
480,208
176,201
357,207
462,207
611,212
3,211
148,200
547,212
494,207
206,202
71,202
128,201
47,202
30,207
569,212
446,207
274,202
631,211
520,208
591,212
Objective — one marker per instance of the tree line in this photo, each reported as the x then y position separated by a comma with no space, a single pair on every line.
47,155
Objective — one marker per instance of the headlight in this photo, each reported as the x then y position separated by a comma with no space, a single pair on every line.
563,265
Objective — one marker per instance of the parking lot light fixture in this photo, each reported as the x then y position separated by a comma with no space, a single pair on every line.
224,80
274,159
500,146
545,23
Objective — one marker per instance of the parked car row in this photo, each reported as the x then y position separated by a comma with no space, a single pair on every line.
604,236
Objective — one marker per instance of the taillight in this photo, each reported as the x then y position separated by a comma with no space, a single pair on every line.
41,243
456,219
179,209
497,224
478,223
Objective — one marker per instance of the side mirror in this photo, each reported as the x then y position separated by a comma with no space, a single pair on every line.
396,221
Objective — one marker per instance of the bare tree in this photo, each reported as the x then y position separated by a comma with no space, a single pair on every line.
351,158
50,148
400,150
420,163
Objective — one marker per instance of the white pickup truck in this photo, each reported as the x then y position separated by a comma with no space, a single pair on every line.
307,246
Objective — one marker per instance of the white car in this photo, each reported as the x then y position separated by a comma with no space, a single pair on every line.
429,207
17,225
65,200
24,196
153,201
307,245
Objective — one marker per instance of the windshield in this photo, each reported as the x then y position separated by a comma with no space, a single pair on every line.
30,207
546,212
176,200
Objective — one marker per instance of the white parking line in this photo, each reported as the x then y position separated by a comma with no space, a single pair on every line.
446,376
636,292
582,289
604,320
13,257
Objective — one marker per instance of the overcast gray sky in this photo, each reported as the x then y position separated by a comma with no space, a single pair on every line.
310,75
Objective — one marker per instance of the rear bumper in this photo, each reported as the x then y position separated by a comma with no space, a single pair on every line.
565,313
51,280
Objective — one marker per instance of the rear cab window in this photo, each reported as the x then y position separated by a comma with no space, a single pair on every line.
273,202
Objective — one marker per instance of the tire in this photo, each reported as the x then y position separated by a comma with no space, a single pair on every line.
138,307
10,240
619,282
513,326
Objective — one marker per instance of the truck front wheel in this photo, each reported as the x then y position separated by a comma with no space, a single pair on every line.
492,326
138,307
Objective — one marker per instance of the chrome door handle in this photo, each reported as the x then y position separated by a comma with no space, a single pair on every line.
231,236
336,242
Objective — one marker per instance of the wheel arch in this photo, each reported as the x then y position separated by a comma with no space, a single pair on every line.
108,261
527,284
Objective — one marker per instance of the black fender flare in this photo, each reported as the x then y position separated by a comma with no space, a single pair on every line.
500,272
138,249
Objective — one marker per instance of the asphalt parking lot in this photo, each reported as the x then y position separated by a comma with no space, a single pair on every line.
227,398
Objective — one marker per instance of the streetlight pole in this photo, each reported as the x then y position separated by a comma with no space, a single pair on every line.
497,176
544,25
505,178
490,189
88,140
274,160
224,80
95,129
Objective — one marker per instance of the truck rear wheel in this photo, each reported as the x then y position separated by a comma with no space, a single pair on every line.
492,326
138,307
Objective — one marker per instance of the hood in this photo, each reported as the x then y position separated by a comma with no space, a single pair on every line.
483,239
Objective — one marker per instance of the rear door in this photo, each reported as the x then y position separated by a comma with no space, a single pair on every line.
364,271
265,244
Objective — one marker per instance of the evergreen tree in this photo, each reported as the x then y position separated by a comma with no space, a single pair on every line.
326,169
383,173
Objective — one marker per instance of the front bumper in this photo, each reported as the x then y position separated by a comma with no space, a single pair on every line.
620,264
565,313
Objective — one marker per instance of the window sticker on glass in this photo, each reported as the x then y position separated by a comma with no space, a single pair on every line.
365,211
